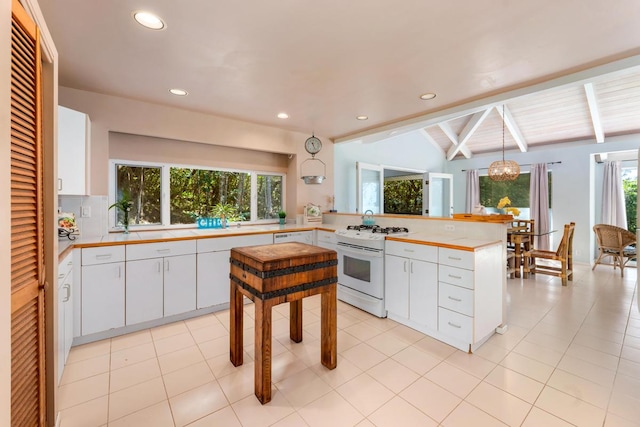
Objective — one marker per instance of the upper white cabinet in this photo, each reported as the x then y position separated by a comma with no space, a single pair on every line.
73,149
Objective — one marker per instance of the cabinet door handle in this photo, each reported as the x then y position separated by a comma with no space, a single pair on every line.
411,265
454,299
404,264
455,258
159,268
67,287
408,250
59,184
164,251
166,268
61,276
119,272
455,277
103,256
454,325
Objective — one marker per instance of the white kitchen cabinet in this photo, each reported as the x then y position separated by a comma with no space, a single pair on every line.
411,285
73,166
145,297
161,280
469,295
213,266
103,281
65,312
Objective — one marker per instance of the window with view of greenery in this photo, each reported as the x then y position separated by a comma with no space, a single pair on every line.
403,195
518,191
195,192
142,185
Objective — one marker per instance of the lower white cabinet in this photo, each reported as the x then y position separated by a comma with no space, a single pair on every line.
454,295
161,280
145,297
326,239
411,283
102,296
65,311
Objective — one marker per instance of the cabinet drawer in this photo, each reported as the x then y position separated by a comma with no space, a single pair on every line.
161,249
456,258
455,276
226,243
102,255
455,298
455,325
409,250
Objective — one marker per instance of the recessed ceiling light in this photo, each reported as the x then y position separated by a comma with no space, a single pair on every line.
283,116
427,96
178,92
362,117
148,20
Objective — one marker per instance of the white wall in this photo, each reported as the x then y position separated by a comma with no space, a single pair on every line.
574,183
5,208
408,150
114,114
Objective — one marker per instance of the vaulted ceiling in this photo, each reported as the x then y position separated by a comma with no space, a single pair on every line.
563,71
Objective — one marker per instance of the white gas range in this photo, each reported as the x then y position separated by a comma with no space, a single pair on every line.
361,265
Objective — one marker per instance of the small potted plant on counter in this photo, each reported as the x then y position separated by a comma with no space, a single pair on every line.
282,215
124,204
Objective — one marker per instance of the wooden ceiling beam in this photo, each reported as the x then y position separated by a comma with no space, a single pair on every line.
471,126
453,137
514,129
595,112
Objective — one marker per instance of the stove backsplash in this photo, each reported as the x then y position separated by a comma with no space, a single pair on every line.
93,226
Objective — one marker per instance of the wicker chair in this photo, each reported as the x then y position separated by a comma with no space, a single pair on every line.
564,255
615,242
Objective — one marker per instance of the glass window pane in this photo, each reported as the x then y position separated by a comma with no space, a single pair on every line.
269,196
142,185
208,193
403,196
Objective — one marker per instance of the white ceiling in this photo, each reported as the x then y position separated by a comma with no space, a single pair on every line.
326,62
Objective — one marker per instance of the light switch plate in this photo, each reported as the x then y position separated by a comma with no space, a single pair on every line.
85,211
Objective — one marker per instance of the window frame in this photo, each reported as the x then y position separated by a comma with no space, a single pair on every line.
165,193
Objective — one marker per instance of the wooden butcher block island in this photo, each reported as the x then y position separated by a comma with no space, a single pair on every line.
273,274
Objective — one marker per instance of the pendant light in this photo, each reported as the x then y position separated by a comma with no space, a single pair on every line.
503,170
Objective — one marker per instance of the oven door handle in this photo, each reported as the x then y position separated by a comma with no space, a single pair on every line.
360,251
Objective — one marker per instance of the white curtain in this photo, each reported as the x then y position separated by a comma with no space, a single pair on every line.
614,211
473,190
539,204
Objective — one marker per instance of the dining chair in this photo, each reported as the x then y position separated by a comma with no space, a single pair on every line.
563,255
615,242
519,240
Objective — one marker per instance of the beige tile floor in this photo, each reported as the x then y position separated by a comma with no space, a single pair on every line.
571,356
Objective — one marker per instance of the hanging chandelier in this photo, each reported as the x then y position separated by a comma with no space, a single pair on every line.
503,170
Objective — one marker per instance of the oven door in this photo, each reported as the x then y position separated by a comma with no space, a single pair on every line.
361,269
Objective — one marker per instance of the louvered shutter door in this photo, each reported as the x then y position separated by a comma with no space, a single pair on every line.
27,261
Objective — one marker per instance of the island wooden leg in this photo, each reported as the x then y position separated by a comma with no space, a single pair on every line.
329,327
295,320
236,316
263,350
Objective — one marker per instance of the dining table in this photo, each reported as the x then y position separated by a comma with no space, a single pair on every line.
521,239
